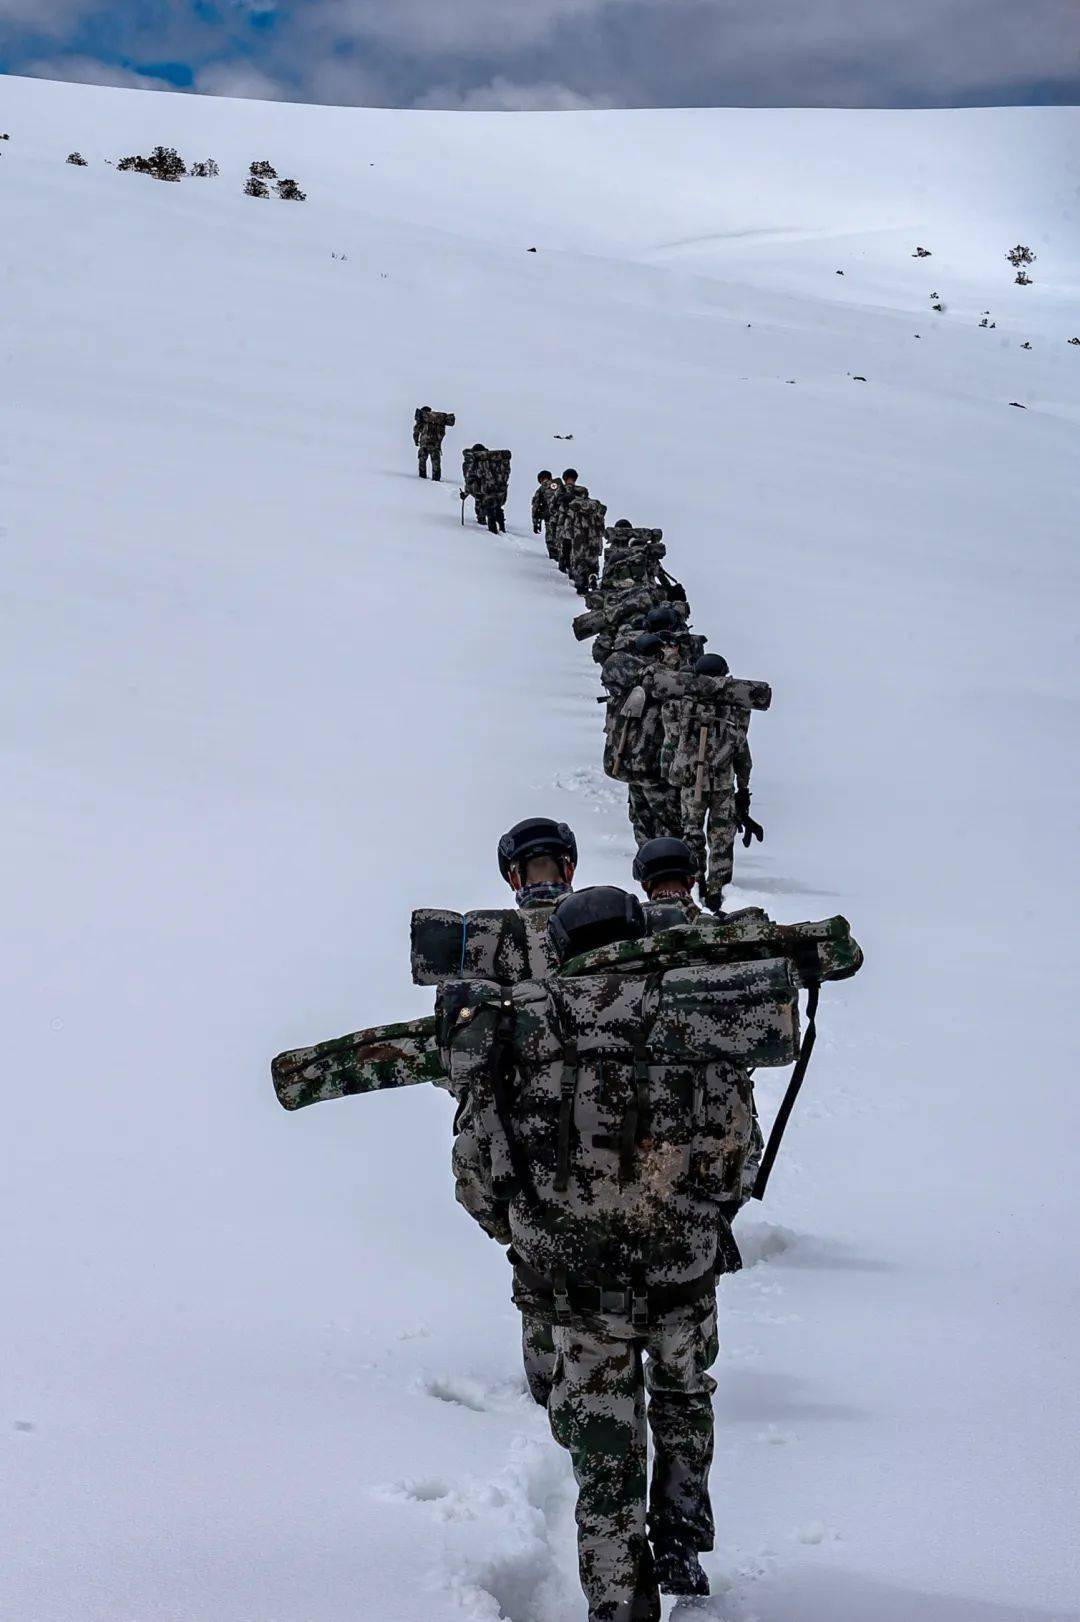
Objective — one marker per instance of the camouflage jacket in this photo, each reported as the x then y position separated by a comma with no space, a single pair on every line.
430,427
543,501
561,500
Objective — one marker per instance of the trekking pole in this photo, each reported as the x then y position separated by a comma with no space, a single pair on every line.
462,494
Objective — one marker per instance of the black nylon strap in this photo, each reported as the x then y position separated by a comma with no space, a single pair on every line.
632,1300
809,968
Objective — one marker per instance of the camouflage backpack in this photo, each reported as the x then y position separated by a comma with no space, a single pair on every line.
633,727
632,557
609,1111
704,724
433,425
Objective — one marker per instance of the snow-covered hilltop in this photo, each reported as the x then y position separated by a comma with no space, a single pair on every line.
263,694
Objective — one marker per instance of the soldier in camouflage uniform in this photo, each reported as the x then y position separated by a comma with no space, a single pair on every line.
537,859
543,504
583,532
494,480
603,1129
566,490
429,430
633,734
706,757
632,557
605,1168
472,464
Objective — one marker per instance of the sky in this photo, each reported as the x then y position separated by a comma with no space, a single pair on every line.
561,54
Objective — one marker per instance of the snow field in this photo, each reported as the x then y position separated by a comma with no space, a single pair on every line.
263,697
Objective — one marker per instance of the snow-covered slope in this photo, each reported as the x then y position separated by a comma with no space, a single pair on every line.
263,695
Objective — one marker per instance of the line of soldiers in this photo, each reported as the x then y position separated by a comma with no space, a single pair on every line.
677,721
600,1052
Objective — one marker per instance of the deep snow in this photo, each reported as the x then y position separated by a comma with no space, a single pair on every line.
263,695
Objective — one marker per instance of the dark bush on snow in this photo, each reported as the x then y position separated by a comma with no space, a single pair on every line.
77,159
164,163
254,187
262,170
290,192
206,170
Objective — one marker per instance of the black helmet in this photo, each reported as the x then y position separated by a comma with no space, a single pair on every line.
622,523
663,859
711,664
570,472
544,473
664,618
646,644
478,447
595,917
536,836
423,409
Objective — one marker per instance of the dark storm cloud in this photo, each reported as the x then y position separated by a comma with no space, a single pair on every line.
568,53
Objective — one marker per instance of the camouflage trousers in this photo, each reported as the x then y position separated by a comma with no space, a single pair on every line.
435,453
654,812
538,1355
709,828
598,1412
551,540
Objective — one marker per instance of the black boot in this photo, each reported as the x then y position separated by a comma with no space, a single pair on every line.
678,1570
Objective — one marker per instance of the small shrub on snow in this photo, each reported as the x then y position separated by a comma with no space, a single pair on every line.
1020,255
205,170
922,253
1023,279
164,163
77,159
262,170
290,192
254,187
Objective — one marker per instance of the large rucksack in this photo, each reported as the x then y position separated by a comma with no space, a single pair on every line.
704,724
727,984
608,1112
633,726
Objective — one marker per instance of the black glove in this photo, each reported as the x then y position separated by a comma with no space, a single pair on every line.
751,830
742,805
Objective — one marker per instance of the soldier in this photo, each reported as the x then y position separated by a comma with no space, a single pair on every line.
666,870
537,859
618,1238
472,465
673,620
565,492
603,1127
633,734
706,756
633,556
584,529
543,505
429,430
494,485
